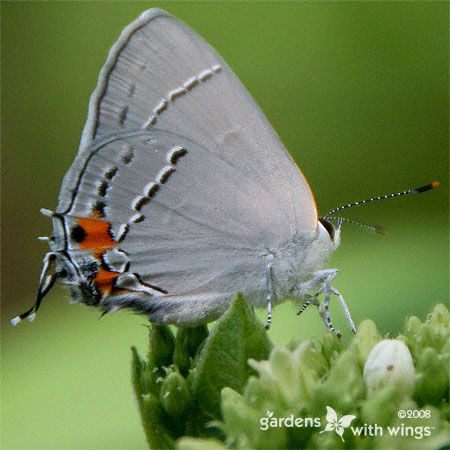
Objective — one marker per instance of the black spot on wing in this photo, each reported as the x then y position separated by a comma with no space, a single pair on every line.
110,173
78,233
153,190
103,188
123,115
177,155
166,174
140,203
99,208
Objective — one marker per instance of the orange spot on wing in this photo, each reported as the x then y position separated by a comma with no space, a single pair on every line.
104,281
97,237
98,233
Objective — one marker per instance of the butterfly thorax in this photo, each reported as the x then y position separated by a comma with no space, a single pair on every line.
296,259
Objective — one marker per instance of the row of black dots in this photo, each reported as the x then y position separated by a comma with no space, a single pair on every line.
187,86
127,155
150,190
102,189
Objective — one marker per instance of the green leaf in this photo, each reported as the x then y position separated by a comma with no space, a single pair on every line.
187,344
157,424
440,319
432,381
343,387
136,368
196,387
365,340
242,423
223,361
189,443
148,380
174,395
329,345
382,406
154,420
162,344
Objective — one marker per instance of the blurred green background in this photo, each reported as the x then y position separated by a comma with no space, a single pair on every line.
358,92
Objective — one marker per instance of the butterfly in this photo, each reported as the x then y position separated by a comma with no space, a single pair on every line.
182,194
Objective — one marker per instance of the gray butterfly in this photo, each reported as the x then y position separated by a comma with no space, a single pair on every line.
182,194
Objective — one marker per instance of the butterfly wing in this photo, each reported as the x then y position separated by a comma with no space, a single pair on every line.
160,194
180,161
161,75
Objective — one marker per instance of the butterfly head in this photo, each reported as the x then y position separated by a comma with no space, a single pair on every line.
331,231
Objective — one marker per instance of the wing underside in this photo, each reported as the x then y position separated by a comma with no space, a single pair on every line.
160,75
182,163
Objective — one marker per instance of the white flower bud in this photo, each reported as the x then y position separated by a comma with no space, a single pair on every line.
390,362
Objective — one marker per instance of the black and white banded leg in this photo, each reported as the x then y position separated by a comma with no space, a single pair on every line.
322,280
309,301
345,309
324,308
317,282
269,293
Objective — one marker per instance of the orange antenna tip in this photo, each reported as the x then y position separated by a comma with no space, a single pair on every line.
427,187
435,184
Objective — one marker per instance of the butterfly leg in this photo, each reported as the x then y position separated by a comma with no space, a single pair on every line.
269,292
324,307
311,299
317,282
322,281
345,309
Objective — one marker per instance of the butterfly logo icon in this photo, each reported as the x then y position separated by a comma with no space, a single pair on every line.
335,423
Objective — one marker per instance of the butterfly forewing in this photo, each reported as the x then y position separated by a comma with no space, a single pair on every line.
160,75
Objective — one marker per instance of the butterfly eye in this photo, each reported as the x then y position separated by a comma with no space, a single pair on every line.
329,227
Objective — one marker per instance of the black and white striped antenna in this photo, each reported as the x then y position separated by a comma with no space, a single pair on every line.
419,190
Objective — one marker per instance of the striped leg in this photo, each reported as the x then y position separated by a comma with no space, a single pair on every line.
317,282
324,308
269,292
345,309
321,283
310,300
